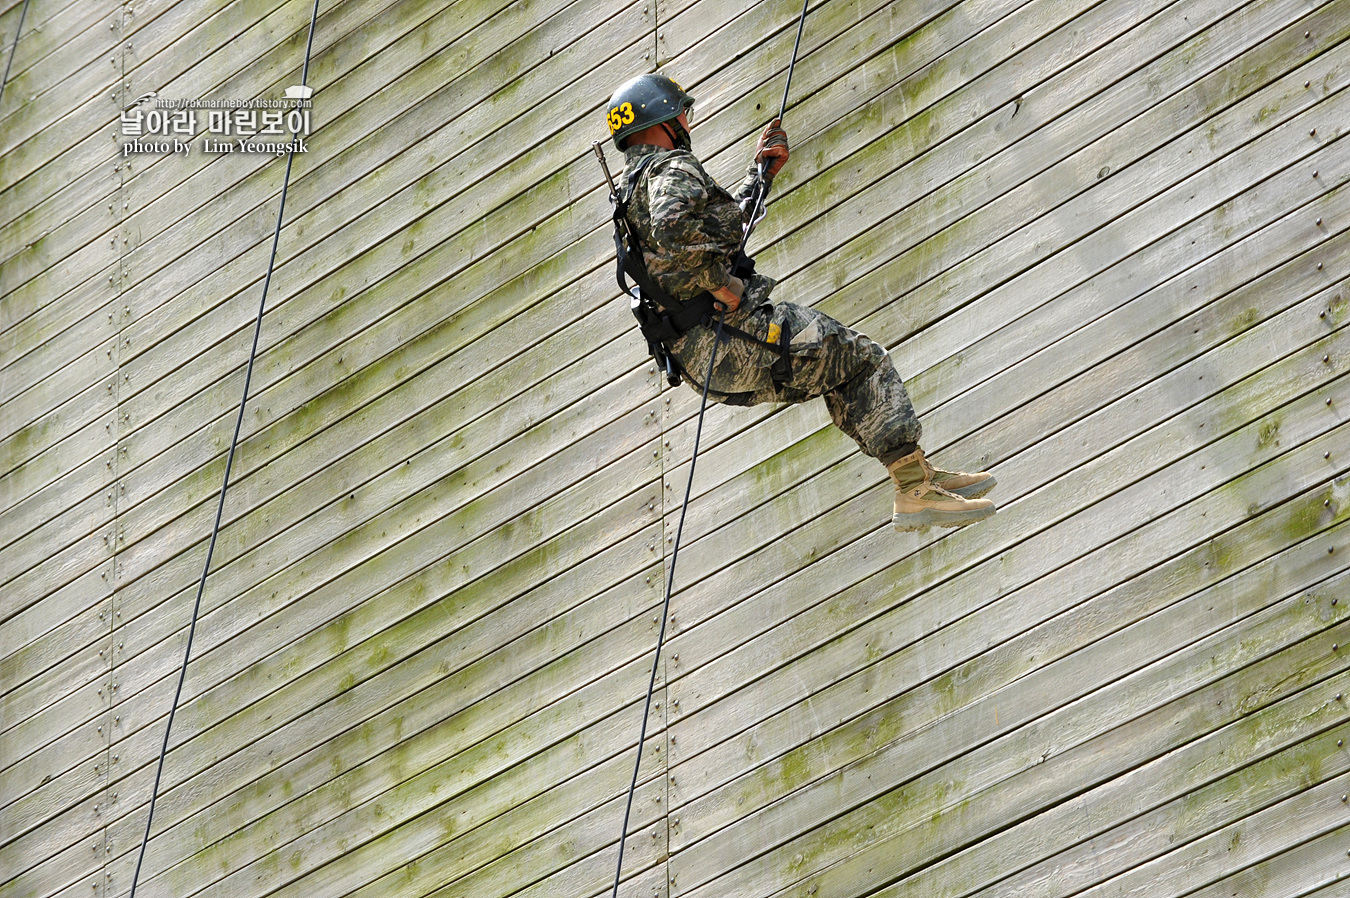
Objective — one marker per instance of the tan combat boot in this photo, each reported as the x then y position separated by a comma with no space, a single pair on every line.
920,502
967,486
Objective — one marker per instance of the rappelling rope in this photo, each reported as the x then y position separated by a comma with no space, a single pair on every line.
757,213
665,607
229,462
13,47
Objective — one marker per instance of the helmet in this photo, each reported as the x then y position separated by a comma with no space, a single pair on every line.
642,102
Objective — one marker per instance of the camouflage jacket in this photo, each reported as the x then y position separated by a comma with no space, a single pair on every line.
690,227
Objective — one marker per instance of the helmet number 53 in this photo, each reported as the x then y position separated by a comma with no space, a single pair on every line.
620,116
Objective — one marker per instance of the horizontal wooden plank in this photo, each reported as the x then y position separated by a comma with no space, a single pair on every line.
1179,796
1089,233
921,341
1111,753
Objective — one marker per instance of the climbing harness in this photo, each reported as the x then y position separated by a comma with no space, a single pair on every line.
229,462
661,318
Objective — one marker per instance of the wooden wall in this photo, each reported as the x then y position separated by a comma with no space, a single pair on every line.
1107,243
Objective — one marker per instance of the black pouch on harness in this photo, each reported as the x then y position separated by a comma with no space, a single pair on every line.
657,330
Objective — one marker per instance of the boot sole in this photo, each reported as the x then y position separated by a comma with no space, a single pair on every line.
977,490
913,522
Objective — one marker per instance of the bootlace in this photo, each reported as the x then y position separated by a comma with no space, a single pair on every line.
929,473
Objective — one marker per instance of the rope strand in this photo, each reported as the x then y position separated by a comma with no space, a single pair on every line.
665,608
756,214
229,463
12,48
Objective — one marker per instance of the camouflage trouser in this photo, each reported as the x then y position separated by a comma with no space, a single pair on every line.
864,393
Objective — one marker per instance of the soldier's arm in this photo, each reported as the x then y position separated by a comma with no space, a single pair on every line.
744,192
772,152
677,197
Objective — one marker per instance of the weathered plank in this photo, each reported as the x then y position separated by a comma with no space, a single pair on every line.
1306,816
905,365
424,678
1181,795
699,727
1316,867
1302,663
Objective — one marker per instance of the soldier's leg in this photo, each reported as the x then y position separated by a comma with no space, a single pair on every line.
862,390
868,401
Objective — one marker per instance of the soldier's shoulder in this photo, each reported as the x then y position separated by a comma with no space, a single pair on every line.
678,165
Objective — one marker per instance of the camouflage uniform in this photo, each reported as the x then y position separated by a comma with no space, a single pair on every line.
690,229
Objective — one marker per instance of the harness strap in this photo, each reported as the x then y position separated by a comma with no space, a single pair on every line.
663,318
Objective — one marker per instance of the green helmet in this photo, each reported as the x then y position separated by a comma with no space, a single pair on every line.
642,102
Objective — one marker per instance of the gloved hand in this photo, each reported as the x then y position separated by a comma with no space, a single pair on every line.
772,150
728,298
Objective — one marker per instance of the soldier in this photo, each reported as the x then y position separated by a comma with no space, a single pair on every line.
686,233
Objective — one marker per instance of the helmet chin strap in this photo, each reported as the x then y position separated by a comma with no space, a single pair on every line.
678,135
